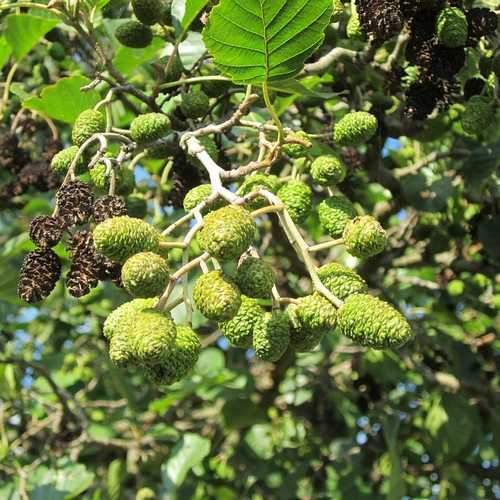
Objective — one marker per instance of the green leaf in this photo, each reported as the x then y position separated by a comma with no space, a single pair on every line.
193,9
188,453
24,31
115,479
54,99
256,41
5,51
127,60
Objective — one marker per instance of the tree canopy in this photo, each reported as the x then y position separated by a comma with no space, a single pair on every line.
249,249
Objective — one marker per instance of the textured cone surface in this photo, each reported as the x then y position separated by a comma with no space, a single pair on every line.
271,336
152,336
62,161
216,297
215,88
75,202
354,30
46,231
147,11
258,182
478,115
355,129
195,104
381,19
87,124
239,330
364,237
328,170
179,361
294,149
149,127
108,207
199,194
452,27
335,213
40,272
371,322
227,232
121,237
145,275
126,312
85,265
297,198
134,34
341,280
311,318
255,278
124,179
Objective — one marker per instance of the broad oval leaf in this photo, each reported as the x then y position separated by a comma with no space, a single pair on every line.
254,41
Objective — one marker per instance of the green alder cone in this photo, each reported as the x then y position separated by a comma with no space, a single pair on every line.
354,30
227,232
125,313
355,128
478,115
179,361
199,194
257,182
271,336
62,161
373,323
364,237
145,274
239,330
338,10
311,318
149,127
134,34
215,88
452,27
87,124
335,213
119,238
195,104
295,150
297,198
148,11
125,179
341,281
217,297
255,278
152,336
328,170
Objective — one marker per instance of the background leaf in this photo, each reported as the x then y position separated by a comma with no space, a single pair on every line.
24,31
264,40
193,9
190,451
54,99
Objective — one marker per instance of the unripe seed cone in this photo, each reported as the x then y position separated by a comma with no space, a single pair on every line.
311,318
179,361
341,280
328,170
255,278
452,27
87,124
355,129
297,198
373,323
297,150
149,127
227,232
364,237
216,297
335,213
119,238
145,274
271,336
239,330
